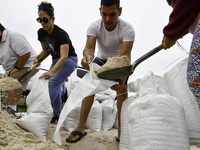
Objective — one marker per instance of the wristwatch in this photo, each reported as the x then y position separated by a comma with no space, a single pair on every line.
17,67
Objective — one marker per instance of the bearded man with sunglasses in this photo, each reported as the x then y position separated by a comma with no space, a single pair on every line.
55,42
16,57
115,38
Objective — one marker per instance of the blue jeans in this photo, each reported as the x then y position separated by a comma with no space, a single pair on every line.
57,82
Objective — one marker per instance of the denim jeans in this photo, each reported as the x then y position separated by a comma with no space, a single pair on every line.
57,82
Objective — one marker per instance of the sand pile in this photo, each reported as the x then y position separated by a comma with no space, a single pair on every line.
9,84
13,137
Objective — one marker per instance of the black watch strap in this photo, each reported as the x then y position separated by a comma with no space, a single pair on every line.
17,67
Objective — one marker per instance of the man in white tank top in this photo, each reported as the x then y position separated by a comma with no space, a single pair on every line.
114,38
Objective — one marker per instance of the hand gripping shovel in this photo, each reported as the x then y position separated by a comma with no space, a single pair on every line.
118,73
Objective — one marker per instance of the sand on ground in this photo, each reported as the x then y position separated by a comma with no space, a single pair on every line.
12,137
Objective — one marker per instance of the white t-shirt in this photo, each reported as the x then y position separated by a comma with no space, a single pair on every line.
110,42
12,46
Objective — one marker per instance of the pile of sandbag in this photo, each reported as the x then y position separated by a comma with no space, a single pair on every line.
165,115
102,114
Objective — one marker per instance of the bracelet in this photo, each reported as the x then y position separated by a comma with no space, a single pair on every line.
17,67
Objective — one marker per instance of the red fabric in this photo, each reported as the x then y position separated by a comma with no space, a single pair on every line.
183,15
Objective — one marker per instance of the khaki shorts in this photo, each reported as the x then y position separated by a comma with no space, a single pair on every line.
27,78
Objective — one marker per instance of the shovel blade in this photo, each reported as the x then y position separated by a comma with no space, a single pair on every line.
116,74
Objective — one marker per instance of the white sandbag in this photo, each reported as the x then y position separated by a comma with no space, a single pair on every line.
105,95
72,119
94,120
72,82
90,84
39,110
150,83
38,99
176,80
156,122
109,114
36,123
124,135
116,119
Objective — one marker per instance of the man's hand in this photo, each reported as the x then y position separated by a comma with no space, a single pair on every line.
87,59
36,62
168,42
13,71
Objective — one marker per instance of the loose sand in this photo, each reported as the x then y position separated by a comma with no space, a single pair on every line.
9,84
113,63
12,137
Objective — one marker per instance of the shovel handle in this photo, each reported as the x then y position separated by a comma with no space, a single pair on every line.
33,67
27,72
152,52
161,46
147,55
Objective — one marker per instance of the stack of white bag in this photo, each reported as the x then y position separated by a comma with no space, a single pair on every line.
94,120
102,114
176,80
39,110
163,115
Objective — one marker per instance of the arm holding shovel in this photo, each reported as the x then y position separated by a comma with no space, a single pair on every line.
182,21
20,62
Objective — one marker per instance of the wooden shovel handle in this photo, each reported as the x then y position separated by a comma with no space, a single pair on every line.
33,67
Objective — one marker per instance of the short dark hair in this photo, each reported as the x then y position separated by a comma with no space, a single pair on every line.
110,3
47,7
2,28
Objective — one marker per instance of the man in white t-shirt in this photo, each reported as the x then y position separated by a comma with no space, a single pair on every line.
114,38
16,57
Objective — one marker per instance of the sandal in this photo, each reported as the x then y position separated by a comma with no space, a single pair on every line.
74,133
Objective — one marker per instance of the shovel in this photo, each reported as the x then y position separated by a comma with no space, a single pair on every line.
118,73
27,72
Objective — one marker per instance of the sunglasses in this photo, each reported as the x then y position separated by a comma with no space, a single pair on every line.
45,20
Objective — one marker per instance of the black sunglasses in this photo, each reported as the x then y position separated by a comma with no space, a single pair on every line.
45,20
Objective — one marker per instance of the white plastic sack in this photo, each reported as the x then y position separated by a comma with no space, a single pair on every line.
105,95
156,122
72,119
90,84
116,119
109,114
176,80
124,135
39,110
150,83
72,82
94,120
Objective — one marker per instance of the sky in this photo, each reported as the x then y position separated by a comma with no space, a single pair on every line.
148,18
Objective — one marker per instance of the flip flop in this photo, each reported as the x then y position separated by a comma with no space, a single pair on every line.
74,133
